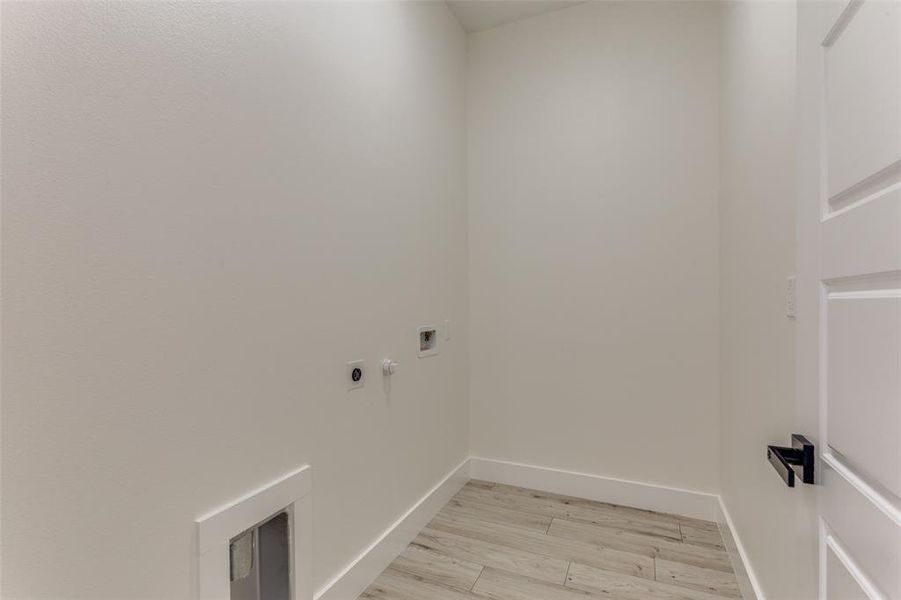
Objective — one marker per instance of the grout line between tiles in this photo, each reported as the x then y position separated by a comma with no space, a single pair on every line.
477,579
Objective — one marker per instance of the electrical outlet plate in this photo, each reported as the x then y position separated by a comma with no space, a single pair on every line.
356,374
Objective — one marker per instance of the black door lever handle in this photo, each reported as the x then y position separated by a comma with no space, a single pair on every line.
785,459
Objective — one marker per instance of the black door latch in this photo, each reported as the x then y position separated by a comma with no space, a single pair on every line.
784,459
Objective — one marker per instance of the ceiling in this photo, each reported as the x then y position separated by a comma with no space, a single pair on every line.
477,15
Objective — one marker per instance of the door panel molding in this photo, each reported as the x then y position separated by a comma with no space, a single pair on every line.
833,545
883,499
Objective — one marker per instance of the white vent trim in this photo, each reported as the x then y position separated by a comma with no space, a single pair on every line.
216,528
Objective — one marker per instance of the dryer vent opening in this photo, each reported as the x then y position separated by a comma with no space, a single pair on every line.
260,561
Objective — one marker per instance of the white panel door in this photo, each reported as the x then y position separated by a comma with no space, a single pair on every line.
849,261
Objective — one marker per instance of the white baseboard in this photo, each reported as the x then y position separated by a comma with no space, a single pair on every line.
356,577
648,496
748,584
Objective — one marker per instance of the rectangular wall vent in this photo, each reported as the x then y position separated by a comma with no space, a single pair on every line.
260,561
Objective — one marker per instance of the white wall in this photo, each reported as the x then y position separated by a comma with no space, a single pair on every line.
757,253
593,168
207,210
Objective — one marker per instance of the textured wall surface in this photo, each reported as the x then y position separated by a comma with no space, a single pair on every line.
757,253
208,208
593,241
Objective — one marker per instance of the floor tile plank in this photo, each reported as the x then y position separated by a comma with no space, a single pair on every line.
398,585
500,585
606,537
497,514
623,511
708,580
575,511
494,555
437,567
703,537
478,483
539,543
624,587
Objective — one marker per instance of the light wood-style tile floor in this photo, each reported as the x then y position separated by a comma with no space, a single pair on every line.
507,543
